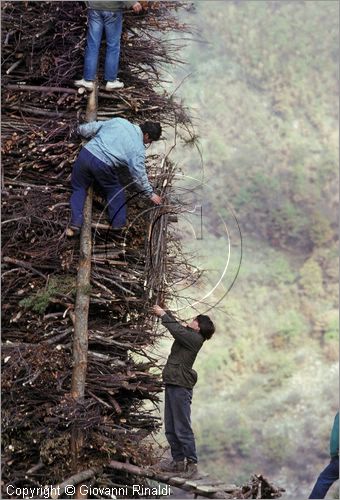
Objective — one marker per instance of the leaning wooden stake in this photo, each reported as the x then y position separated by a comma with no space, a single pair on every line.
80,339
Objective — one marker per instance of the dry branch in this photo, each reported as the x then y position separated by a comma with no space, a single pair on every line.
257,487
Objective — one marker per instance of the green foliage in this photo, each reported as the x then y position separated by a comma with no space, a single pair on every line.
280,270
274,267
235,438
320,231
311,278
261,187
290,327
332,333
288,219
39,301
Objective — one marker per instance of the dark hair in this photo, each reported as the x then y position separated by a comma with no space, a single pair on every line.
207,327
154,130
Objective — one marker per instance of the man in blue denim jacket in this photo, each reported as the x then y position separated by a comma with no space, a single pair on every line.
104,15
114,143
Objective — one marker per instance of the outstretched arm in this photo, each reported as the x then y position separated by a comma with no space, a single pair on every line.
139,175
140,178
180,333
158,311
89,129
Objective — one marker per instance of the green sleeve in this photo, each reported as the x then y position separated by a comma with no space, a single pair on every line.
334,444
179,332
170,314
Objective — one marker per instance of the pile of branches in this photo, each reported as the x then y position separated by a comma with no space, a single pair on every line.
259,487
43,44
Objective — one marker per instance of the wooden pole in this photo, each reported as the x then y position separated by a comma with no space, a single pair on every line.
84,475
81,312
206,486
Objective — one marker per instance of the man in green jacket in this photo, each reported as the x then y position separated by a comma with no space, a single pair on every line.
104,15
331,473
179,379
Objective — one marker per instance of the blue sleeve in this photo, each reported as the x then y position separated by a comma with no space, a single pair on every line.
89,129
138,174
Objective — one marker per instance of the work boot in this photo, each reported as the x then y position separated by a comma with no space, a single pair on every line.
87,84
173,466
191,471
113,85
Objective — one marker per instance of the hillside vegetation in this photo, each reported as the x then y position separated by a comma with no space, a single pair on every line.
263,91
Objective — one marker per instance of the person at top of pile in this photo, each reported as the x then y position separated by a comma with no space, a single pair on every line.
104,16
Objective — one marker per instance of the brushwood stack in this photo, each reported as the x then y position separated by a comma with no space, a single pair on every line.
42,53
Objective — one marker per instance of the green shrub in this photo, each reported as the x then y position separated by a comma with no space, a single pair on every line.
332,331
292,324
39,301
320,231
289,218
311,278
280,269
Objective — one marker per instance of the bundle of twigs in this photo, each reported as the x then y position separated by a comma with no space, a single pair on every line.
42,53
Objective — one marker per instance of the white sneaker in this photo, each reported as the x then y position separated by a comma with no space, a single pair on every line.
113,85
87,84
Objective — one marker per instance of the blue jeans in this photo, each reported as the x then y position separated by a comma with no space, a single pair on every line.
177,421
86,169
327,477
97,21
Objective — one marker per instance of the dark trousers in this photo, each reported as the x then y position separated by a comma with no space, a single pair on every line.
86,169
177,421
327,477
